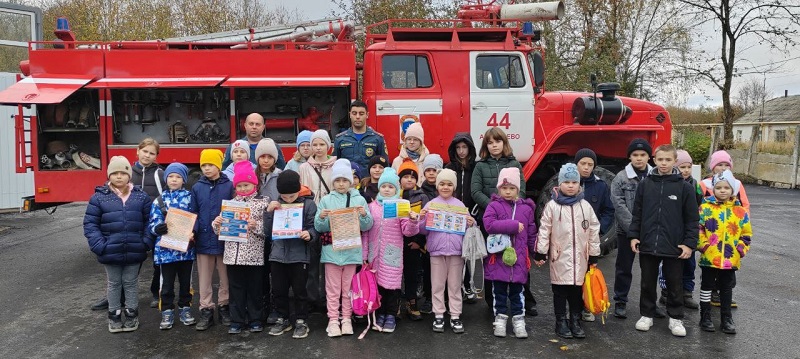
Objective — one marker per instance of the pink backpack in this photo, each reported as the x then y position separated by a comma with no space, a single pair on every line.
364,295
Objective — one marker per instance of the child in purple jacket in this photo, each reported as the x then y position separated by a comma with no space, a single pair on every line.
447,266
510,215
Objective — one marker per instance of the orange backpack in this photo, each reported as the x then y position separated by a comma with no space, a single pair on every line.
595,292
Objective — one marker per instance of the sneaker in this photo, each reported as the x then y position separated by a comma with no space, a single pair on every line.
115,321
587,316
469,296
206,319
154,302
273,318
225,315
499,324
379,321
235,328
620,311
280,327
518,321
300,329
186,316
413,313
100,304
389,325
131,320
347,327
426,307
457,325
256,327
676,327
167,318
334,329
644,324
438,325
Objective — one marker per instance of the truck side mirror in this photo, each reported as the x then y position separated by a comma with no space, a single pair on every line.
538,69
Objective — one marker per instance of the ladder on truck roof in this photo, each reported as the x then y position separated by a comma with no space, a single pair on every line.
324,30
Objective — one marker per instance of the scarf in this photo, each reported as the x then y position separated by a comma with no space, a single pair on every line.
414,155
247,194
565,200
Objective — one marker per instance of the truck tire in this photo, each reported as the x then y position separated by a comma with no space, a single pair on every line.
608,241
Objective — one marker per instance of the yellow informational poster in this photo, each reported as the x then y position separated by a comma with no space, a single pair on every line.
180,224
345,230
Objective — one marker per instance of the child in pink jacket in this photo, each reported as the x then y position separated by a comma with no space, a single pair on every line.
569,236
382,247
447,266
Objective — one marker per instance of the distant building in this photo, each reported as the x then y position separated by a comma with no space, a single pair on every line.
776,119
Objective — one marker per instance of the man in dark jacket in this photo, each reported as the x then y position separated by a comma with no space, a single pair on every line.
664,229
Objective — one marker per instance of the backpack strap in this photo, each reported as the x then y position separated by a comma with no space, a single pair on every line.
321,180
158,180
347,205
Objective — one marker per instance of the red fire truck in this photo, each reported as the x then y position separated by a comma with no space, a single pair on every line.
95,100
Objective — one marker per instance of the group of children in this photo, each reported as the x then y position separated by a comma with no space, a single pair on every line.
257,275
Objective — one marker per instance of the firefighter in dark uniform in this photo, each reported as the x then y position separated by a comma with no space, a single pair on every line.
359,143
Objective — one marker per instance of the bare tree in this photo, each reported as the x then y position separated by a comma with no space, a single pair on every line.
741,23
752,95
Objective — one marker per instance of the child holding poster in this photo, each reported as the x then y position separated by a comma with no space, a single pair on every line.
383,249
245,260
340,265
172,262
289,258
444,246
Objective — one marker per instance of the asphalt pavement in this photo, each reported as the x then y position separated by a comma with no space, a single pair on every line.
49,279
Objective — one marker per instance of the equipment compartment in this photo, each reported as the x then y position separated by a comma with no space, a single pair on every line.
69,138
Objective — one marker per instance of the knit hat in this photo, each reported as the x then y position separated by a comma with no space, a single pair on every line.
583,153
179,168
378,160
568,172
432,161
118,164
415,130
683,157
243,145
447,175
243,172
212,156
640,144
719,157
342,169
389,176
509,175
408,167
303,136
356,169
288,182
727,176
266,147
322,135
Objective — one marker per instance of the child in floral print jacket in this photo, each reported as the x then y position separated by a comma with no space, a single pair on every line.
724,240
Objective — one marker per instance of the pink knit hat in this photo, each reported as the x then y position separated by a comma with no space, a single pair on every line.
683,157
508,175
415,130
719,157
243,172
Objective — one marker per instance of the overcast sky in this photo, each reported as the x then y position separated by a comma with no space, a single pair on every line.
787,79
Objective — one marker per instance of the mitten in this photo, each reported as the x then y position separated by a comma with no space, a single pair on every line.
160,229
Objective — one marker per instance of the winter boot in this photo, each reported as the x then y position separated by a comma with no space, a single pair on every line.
705,317
131,320
620,310
727,325
575,326
115,321
500,325
206,319
225,315
519,326
562,327
688,301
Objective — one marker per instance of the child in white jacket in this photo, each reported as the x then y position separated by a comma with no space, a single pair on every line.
569,238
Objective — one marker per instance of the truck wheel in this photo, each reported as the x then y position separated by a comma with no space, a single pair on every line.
608,241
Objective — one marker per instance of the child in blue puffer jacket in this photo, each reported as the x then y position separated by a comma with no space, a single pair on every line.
115,226
173,263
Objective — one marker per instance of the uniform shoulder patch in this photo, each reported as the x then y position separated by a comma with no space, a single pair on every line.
341,133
